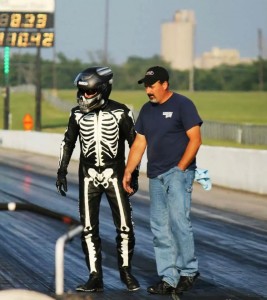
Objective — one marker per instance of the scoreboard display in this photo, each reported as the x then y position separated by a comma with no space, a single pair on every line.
14,20
26,39
26,29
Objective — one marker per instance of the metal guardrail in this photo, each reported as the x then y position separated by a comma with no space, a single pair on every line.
12,206
248,134
240,133
60,244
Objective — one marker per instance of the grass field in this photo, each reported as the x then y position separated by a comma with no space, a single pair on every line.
228,107
23,103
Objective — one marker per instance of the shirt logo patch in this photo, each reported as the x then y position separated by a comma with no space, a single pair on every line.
167,114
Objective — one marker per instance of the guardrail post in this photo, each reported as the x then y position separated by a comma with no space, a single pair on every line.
59,258
239,135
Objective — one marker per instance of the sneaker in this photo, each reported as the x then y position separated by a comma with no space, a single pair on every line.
94,284
186,283
129,280
161,288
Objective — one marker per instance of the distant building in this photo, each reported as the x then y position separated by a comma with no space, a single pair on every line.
217,57
178,46
177,40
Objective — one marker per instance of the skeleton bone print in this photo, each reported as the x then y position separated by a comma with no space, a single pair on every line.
100,134
100,178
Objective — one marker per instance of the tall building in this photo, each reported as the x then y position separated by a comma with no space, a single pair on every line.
177,40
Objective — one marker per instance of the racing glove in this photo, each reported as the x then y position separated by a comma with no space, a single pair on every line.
134,182
61,183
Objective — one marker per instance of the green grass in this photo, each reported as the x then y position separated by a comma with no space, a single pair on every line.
228,107
22,103
234,107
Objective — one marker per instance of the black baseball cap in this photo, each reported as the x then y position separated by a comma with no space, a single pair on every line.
155,74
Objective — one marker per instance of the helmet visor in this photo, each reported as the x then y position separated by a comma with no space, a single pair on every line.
88,93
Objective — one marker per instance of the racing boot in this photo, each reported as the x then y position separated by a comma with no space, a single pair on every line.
128,279
95,281
94,284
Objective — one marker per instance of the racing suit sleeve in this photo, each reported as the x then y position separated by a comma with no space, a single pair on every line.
68,144
127,127
129,133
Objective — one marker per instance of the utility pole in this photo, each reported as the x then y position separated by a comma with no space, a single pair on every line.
192,67
105,58
260,60
54,70
38,93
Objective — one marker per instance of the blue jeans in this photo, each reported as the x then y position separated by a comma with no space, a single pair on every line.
170,195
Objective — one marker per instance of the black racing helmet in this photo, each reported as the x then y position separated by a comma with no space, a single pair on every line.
95,81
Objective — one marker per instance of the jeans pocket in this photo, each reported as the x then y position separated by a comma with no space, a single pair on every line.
177,168
187,176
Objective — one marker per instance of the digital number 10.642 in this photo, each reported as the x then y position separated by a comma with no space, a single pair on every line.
26,39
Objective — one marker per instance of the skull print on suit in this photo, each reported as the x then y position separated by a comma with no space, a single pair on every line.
102,134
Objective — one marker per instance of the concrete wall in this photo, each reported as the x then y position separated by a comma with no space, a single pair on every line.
241,169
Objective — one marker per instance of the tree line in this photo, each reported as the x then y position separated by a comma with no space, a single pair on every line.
60,74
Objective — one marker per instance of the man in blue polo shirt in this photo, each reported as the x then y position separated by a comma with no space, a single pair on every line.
169,127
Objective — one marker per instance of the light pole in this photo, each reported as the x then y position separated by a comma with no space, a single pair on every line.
6,94
106,32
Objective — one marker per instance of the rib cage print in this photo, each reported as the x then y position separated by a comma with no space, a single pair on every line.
99,135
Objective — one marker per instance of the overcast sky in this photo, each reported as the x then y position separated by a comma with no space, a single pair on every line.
134,26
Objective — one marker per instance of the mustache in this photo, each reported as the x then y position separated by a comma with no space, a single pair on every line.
150,95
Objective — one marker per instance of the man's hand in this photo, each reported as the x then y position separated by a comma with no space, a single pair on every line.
130,182
126,181
61,184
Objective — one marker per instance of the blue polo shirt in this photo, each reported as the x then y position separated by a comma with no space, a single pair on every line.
164,126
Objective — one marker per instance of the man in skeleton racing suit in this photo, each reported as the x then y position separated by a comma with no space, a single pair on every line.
103,125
